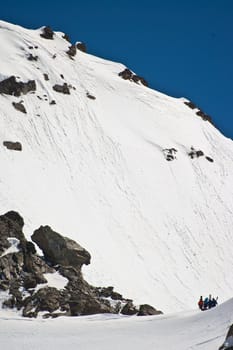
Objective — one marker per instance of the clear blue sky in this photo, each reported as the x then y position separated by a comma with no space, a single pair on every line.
182,47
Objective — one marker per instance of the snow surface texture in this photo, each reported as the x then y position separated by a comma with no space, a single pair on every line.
189,330
159,231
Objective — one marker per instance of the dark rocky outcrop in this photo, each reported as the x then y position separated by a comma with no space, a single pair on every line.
198,153
204,116
62,88
90,96
66,37
148,310
228,343
53,102
10,86
200,113
108,292
126,74
30,57
60,250
129,309
72,51
46,77
81,47
15,146
19,107
190,104
23,270
195,153
169,154
209,159
47,33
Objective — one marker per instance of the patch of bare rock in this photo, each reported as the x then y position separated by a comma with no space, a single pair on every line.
22,274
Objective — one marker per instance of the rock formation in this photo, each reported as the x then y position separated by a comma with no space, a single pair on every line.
128,75
23,274
10,86
16,146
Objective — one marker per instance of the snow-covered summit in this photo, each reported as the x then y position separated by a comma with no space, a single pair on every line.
115,165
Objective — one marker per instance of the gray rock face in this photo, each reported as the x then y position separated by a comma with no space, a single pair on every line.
23,270
81,47
228,343
60,250
72,51
148,310
10,86
128,75
19,107
129,309
47,33
16,146
62,88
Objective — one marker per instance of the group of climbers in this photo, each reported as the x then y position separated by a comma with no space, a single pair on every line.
207,303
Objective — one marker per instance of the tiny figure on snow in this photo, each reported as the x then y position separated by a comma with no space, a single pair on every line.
201,303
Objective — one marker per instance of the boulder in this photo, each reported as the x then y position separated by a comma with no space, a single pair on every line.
62,88
46,77
82,304
16,146
126,74
90,96
72,51
169,154
228,343
10,86
148,310
81,47
19,107
190,104
47,33
11,225
60,250
209,159
129,309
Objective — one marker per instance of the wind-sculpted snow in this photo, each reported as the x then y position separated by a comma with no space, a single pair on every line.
158,230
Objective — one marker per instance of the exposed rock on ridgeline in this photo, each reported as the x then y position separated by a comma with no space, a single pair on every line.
66,37
199,112
15,146
47,33
10,86
81,47
23,274
128,75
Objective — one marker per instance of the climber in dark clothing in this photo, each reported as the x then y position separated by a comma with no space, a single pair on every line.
201,303
206,303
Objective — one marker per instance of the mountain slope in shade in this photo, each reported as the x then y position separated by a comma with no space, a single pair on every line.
97,170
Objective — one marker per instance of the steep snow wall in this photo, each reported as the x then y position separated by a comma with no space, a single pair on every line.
95,170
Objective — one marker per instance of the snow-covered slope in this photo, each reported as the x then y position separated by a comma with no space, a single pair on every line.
159,231
183,331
